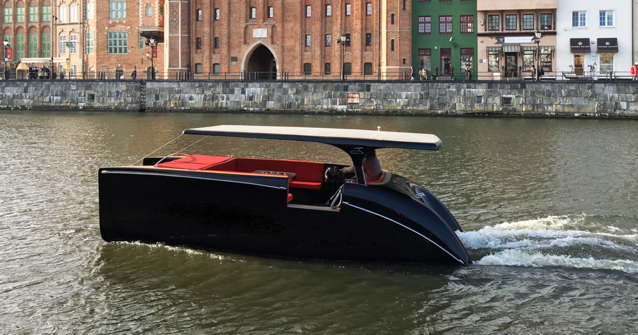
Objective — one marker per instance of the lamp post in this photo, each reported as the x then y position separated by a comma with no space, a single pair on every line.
53,20
153,44
343,41
4,53
537,39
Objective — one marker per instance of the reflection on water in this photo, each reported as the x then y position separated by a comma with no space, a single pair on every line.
548,207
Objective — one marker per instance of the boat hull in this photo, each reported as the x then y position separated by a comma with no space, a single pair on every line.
251,214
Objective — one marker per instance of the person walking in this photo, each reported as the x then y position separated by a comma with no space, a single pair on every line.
634,71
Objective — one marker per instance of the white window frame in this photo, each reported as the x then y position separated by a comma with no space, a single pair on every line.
582,19
613,18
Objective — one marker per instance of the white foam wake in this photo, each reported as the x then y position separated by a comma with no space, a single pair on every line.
549,232
527,243
529,259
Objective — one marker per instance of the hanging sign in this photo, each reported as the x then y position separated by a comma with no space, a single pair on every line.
154,51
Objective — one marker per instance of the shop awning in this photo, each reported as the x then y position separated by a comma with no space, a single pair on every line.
511,48
579,45
607,44
22,67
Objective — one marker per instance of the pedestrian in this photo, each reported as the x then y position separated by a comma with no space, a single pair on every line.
634,71
134,74
468,71
533,71
422,74
541,72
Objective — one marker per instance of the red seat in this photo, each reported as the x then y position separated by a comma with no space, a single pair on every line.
194,162
309,185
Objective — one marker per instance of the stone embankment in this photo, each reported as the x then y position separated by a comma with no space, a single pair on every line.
595,99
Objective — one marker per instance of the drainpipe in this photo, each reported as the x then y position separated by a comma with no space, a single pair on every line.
379,40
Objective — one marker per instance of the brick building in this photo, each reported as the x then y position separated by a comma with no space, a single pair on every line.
289,38
91,38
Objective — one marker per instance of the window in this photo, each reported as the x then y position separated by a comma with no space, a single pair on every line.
73,43
392,18
308,11
217,69
606,20
198,43
307,69
348,9
445,24
546,59
117,42
347,69
73,13
606,62
218,14
425,25
199,14
253,12
117,9
46,13
19,46
327,40
528,58
492,61
493,22
511,22
367,69
467,59
147,10
33,44
88,42
20,14
392,45
8,15
368,39
528,22
62,14
326,68
368,8
46,44
90,10
546,21
33,15
328,10
425,59
62,44
467,23
271,12
199,68
308,41
579,18
215,42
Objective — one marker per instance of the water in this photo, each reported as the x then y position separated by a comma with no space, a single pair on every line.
549,209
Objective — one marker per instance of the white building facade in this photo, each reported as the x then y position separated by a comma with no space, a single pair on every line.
594,38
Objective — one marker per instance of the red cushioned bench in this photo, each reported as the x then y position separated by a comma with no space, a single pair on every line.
307,175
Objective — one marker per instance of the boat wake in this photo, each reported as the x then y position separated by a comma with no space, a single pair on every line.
562,241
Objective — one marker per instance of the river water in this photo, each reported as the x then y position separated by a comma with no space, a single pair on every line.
548,207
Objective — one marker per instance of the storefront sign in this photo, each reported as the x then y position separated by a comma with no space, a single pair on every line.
517,39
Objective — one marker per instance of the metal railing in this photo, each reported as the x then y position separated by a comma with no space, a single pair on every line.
289,76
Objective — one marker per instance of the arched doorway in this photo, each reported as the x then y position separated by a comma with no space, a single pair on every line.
261,64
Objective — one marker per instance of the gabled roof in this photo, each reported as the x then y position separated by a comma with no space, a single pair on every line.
333,136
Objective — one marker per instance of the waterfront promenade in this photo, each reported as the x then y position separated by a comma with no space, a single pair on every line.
551,99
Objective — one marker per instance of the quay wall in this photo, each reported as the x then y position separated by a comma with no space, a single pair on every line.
595,99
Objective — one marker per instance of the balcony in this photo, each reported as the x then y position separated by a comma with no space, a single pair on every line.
497,5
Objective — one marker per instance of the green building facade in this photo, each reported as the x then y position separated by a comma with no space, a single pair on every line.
444,39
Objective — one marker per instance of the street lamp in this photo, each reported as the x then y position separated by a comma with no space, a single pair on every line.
6,45
343,41
537,39
152,42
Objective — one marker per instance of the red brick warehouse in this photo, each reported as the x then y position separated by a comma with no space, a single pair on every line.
291,39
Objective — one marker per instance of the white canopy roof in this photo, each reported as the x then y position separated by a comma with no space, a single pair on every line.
334,136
